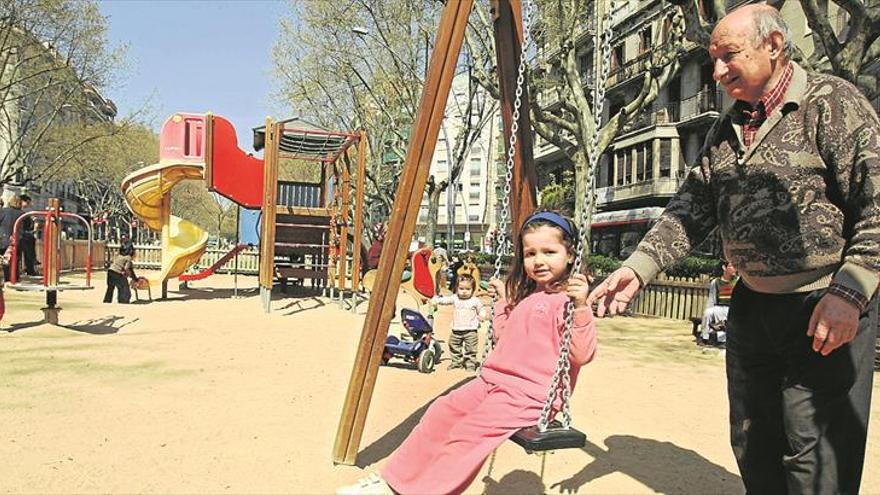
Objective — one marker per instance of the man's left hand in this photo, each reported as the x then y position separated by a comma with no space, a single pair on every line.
834,323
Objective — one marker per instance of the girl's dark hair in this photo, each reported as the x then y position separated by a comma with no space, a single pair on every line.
518,284
126,249
467,277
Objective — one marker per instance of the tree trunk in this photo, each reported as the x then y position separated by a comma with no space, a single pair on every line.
433,209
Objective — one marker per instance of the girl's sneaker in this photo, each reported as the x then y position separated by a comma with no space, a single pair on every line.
371,485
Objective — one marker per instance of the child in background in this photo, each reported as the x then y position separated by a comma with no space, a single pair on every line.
465,323
122,267
444,452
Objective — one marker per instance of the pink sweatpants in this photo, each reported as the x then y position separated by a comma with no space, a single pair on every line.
445,451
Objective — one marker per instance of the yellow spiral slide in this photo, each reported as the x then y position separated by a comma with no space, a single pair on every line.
148,195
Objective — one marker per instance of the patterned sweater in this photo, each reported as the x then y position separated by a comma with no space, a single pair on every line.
797,210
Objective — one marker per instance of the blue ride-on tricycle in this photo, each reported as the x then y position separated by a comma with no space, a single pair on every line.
417,345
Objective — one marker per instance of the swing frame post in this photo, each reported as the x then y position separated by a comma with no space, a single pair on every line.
401,227
358,218
508,27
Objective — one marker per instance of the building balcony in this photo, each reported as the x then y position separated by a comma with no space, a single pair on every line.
628,70
609,196
693,110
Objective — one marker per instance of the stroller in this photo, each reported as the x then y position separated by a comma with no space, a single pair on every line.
417,346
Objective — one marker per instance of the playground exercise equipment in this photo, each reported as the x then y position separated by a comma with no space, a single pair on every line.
51,282
511,25
191,147
304,229
417,345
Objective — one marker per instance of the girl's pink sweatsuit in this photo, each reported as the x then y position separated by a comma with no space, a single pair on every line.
446,449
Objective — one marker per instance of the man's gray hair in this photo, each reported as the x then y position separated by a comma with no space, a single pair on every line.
768,20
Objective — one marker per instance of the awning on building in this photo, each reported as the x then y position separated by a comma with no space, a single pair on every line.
625,217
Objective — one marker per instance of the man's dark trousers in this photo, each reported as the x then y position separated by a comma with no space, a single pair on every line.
798,420
29,253
118,282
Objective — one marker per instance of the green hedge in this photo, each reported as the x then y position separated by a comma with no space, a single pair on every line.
693,267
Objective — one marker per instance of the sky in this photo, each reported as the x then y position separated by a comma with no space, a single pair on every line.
197,56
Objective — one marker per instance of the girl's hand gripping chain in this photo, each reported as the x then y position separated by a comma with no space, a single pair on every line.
578,290
496,289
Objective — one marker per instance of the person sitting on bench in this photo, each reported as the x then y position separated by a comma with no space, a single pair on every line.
720,290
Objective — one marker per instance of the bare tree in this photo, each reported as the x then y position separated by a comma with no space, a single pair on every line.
364,66
97,169
54,61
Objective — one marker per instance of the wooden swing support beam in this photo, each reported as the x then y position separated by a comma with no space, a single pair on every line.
507,17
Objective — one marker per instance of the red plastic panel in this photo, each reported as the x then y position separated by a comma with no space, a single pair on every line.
182,139
235,174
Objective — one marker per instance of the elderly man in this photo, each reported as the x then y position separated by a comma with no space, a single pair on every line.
791,177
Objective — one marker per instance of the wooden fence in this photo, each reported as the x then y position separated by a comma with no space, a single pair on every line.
150,257
672,297
74,253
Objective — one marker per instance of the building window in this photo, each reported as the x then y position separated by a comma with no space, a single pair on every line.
621,173
645,40
607,178
617,57
629,168
476,166
665,157
640,163
649,160
474,194
473,218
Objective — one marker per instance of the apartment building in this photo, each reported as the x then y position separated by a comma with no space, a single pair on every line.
467,208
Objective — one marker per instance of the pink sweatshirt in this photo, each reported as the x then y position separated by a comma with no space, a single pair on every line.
528,337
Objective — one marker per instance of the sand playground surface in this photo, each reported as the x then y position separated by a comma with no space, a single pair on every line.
205,393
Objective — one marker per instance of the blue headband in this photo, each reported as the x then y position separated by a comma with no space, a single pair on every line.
554,218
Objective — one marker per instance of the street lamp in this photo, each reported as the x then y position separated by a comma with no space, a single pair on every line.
360,30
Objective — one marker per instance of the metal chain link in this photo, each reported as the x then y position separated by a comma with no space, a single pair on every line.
563,365
503,240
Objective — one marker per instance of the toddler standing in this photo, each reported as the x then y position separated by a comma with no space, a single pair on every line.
465,323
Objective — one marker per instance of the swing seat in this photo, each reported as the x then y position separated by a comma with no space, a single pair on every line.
555,438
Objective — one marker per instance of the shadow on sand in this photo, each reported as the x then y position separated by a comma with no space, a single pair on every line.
663,467
97,326
203,293
387,443
299,305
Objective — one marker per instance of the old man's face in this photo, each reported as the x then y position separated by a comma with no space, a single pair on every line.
741,66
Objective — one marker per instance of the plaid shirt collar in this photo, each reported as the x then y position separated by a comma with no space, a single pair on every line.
753,117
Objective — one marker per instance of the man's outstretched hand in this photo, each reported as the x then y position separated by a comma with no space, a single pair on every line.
615,293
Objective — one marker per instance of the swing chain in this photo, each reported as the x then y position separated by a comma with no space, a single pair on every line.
503,243
563,366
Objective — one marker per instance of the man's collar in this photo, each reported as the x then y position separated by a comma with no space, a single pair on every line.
797,87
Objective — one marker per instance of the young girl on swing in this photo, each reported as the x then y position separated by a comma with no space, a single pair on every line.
445,451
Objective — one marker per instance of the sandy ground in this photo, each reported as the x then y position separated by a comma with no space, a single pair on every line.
204,393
